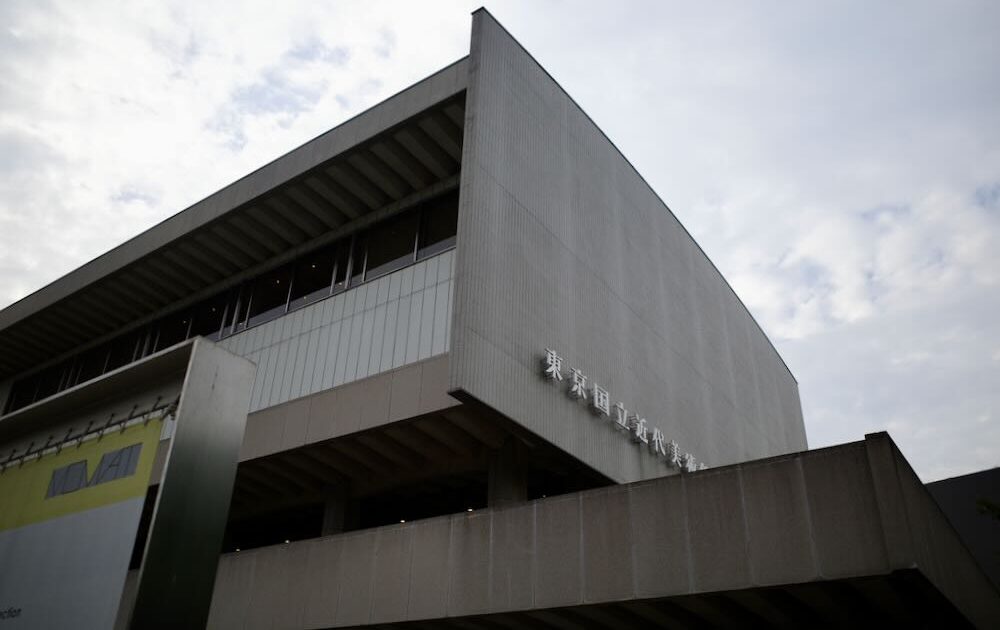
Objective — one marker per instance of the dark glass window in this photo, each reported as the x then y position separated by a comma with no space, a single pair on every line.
22,393
69,368
313,277
91,363
343,260
173,329
49,381
438,226
123,350
208,317
239,321
270,295
391,245
147,339
358,259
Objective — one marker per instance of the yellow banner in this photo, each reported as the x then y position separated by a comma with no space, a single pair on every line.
99,472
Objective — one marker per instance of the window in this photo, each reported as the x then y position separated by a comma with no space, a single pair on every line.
382,249
208,317
239,321
357,267
438,226
123,350
313,278
173,329
22,393
49,381
270,296
343,262
391,245
91,364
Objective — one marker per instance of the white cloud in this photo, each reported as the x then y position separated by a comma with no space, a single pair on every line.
840,164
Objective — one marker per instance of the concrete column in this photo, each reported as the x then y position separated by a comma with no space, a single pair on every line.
508,482
339,511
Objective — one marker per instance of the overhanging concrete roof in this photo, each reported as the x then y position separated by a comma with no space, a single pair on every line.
837,537
390,156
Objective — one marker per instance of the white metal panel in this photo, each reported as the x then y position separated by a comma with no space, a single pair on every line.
400,318
402,326
357,325
301,345
413,334
280,370
427,322
334,355
389,343
367,329
378,337
440,322
322,354
309,365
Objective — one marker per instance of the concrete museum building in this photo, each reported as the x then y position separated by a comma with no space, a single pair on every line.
452,364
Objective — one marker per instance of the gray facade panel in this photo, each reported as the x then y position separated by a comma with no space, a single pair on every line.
377,400
779,530
356,567
428,592
562,245
607,570
512,559
391,594
398,319
323,583
713,532
844,483
469,560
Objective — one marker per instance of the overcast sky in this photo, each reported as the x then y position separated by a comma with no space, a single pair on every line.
839,162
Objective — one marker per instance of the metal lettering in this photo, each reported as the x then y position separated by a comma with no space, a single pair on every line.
600,401
552,365
658,444
640,432
621,417
577,384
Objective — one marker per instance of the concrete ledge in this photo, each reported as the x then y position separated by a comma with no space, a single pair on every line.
405,392
851,512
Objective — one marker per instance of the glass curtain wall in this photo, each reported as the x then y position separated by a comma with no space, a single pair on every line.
385,247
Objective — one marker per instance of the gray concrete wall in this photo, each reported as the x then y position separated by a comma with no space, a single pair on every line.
842,512
177,574
405,392
563,245
917,533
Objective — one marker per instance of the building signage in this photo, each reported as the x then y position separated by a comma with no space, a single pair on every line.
628,422
114,465
69,511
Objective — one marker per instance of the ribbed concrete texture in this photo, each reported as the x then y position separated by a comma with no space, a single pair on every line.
852,512
562,245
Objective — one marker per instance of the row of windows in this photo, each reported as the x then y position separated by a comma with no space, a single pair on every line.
384,248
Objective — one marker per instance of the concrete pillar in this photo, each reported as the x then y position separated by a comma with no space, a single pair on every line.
339,511
508,481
